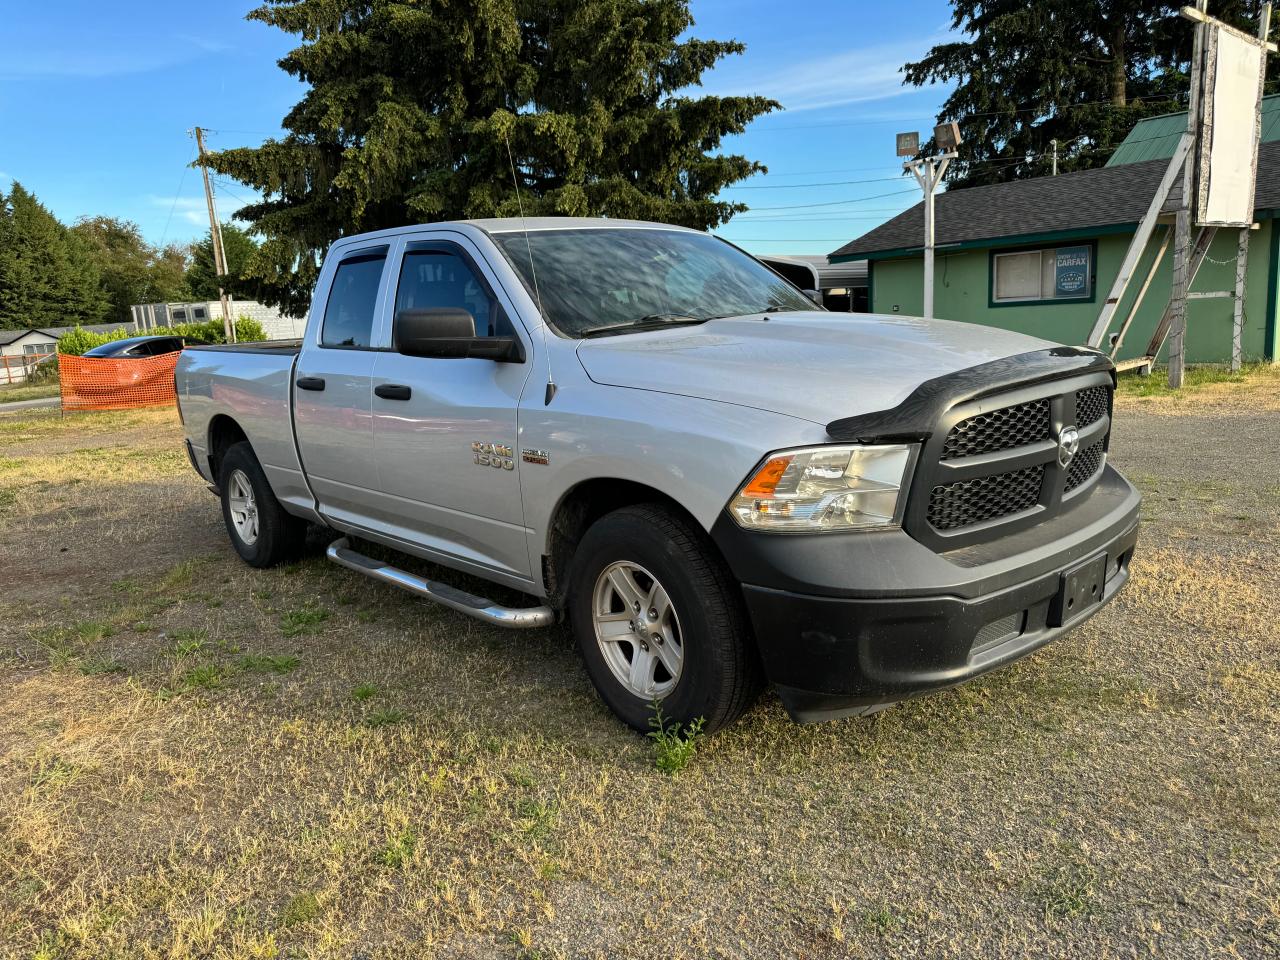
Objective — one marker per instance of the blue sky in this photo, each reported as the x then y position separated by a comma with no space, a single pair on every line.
96,100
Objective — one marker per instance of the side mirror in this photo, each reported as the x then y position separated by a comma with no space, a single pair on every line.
814,295
449,333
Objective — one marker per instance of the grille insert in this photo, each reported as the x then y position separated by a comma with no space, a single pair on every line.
959,504
1091,405
1001,429
1085,465
997,631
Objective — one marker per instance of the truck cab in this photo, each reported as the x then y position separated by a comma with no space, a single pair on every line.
663,441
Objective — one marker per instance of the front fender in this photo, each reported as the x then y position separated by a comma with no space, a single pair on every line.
697,452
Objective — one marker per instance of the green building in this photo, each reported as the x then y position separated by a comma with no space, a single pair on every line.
1041,255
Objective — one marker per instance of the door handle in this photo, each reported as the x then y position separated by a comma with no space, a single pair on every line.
311,383
392,391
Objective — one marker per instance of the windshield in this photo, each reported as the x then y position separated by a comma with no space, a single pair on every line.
633,278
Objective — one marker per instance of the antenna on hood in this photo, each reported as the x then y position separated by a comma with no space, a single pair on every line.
533,271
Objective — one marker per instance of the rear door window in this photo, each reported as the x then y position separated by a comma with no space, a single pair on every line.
353,300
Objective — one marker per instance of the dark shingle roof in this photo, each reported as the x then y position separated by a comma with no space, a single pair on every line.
1102,197
91,327
9,336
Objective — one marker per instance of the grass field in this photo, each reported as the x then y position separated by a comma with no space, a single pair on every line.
202,760
13,392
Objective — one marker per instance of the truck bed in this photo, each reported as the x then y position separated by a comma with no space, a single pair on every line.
283,347
250,383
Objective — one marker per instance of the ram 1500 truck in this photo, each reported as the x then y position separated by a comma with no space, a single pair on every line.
656,437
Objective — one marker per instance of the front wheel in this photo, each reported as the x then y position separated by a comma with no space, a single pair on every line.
658,618
262,531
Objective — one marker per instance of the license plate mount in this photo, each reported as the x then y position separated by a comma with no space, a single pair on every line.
1079,591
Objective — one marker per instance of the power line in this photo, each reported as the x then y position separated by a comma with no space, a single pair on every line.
835,203
801,186
785,240
181,181
1050,111
223,184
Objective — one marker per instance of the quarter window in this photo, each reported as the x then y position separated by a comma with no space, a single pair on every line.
1053,273
436,277
353,299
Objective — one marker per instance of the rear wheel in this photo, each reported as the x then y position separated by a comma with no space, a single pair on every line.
261,531
657,617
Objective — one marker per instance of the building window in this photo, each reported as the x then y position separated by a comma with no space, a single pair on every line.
199,313
180,315
1053,273
37,348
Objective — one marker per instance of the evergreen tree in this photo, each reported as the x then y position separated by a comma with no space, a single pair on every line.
411,106
1078,71
47,277
131,270
202,277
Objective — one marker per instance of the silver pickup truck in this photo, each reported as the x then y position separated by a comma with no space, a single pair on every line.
655,436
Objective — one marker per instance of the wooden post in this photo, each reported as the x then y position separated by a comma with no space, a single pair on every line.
1237,313
1142,293
215,237
1182,224
1178,300
1139,242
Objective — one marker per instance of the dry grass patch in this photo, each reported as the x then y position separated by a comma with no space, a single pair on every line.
1205,390
198,759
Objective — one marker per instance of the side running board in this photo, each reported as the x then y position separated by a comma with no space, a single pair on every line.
340,552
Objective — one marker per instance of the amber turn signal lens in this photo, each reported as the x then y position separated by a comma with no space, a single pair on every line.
765,481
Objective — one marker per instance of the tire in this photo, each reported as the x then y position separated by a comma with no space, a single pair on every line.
625,553
274,536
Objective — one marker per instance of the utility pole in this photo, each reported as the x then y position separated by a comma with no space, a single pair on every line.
929,172
215,234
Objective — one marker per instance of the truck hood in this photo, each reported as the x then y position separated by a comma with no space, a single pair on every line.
816,366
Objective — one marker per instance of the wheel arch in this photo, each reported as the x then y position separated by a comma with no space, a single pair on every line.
223,433
582,505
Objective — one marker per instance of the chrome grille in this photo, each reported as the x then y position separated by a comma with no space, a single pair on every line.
1001,429
955,505
1091,405
1085,465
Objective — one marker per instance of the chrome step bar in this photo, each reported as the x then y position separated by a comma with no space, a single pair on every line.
519,618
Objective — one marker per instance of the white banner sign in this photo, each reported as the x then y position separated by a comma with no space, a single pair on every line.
1227,153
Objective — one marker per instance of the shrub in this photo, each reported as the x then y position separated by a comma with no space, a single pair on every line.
46,371
77,340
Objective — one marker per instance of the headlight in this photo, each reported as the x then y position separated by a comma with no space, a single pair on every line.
831,488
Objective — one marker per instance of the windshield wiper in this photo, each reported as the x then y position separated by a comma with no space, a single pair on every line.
650,321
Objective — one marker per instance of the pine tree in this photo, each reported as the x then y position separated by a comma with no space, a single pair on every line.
47,277
202,277
1078,71
411,106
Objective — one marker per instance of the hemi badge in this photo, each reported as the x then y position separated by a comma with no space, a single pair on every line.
535,456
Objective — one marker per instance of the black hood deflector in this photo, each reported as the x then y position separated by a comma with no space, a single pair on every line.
919,414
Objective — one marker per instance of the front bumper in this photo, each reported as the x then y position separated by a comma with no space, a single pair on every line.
848,623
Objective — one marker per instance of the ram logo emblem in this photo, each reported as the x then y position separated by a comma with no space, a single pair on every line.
496,455
1068,445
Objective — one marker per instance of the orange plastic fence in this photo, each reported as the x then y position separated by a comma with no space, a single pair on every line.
106,383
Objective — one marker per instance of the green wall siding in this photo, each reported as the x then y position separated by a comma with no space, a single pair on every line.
961,292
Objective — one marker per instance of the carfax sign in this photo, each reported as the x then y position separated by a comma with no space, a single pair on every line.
1071,272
